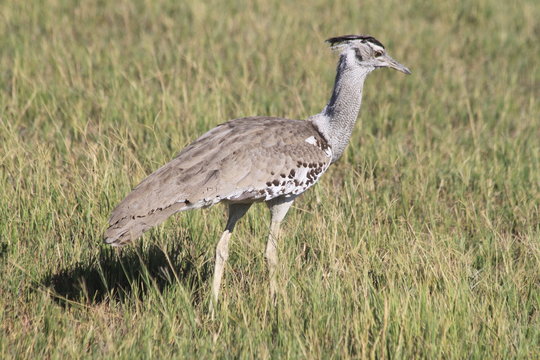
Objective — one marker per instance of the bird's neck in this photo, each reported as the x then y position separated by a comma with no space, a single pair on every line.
336,121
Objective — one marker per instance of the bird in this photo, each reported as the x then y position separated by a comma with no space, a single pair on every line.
255,159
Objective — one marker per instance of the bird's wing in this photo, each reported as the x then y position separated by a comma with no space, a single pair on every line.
243,160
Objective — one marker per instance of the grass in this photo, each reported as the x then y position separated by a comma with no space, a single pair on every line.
422,242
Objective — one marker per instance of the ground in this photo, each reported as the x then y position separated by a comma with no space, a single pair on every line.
422,242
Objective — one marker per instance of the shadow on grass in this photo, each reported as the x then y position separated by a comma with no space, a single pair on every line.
123,274
3,250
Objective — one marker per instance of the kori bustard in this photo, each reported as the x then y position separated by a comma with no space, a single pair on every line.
255,159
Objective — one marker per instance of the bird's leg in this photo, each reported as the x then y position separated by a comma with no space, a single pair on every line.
278,210
236,211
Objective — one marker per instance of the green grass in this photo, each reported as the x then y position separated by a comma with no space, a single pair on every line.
422,242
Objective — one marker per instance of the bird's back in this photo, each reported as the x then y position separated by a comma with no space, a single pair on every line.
243,160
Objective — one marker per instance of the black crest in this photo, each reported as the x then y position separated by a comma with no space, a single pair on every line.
365,38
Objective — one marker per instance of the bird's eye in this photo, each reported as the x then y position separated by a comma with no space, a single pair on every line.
378,53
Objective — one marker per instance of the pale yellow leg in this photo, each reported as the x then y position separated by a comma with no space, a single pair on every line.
236,211
278,209
222,254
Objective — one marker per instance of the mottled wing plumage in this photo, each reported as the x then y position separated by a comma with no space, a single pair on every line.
243,160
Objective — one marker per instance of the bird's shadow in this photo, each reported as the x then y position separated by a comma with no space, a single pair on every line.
3,250
120,275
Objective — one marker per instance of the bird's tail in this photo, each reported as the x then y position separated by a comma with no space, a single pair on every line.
121,232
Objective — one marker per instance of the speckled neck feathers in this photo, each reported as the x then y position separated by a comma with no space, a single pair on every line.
336,121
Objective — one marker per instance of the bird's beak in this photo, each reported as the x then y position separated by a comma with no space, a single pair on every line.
395,65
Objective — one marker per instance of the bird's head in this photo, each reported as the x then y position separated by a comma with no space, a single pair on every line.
364,51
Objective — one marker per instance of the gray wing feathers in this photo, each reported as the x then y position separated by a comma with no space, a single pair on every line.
233,161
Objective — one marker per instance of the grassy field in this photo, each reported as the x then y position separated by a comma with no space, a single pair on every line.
422,242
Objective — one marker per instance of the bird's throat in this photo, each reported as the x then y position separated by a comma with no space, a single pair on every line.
336,121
